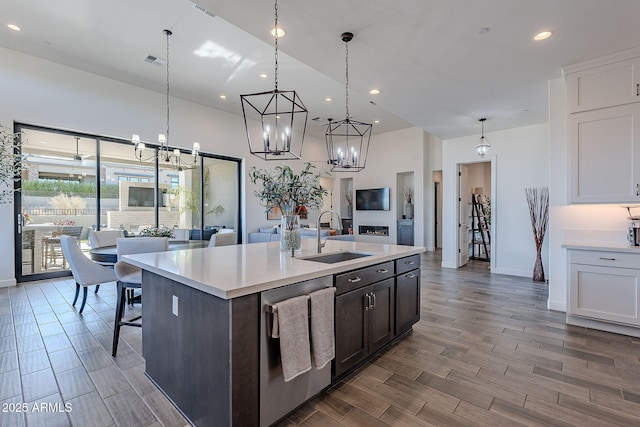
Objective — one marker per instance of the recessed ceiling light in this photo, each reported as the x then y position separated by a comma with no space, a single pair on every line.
280,30
374,91
542,35
483,30
263,75
223,96
13,27
376,121
328,99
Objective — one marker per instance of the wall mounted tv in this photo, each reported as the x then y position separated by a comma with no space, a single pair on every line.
143,197
372,199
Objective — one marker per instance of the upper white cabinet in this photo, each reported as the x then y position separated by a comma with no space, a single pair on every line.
604,86
604,129
605,155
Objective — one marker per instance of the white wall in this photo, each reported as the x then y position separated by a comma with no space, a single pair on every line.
519,159
40,92
391,153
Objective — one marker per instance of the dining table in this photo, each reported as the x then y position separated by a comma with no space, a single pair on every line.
108,255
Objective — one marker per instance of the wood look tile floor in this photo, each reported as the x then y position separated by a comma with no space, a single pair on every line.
485,352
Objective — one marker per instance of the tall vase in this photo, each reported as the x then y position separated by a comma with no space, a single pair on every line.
538,269
290,233
408,210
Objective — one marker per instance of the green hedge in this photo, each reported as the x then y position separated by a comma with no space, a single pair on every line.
81,189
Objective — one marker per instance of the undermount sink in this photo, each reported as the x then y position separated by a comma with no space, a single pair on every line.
333,257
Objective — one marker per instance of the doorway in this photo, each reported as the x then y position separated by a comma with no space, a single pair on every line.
475,226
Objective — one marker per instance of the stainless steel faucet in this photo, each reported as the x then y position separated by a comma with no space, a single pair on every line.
320,244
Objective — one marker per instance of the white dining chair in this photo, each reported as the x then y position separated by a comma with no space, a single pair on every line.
223,239
130,277
99,239
85,272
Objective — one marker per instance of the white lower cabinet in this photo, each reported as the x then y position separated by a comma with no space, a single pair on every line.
604,286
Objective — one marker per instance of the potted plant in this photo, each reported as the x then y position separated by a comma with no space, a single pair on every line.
283,189
407,193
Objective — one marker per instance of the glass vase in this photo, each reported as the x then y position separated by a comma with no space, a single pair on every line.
290,233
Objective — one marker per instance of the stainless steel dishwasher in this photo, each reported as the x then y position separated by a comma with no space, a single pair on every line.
278,398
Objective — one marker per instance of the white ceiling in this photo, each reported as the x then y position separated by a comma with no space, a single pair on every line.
434,68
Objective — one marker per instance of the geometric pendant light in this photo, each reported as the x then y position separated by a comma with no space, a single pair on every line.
347,140
483,145
275,121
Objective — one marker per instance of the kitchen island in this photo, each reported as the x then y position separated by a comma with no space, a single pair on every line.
204,318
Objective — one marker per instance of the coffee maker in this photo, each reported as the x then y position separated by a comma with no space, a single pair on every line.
634,228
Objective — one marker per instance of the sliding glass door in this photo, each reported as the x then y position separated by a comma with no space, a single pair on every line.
72,183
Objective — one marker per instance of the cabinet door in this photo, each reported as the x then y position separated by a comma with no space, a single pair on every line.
407,300
351,329
605,155
604,293
381,315
604,86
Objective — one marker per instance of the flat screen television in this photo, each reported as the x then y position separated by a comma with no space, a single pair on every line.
143,197
372,199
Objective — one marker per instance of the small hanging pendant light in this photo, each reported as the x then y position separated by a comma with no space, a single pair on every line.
347,140
483,145
275,121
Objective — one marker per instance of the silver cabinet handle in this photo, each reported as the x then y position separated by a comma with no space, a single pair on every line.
382,271
410,276
355,279
637,189
367,304
637,89
607,259
374,300
409,262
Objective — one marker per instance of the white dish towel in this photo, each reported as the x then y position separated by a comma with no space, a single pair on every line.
293,328
322,335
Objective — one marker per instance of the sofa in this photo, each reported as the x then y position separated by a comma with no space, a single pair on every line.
272,234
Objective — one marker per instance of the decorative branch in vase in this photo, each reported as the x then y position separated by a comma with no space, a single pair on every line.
283,189
538,201
407,193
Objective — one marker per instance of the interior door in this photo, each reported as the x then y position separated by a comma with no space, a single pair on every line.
463,215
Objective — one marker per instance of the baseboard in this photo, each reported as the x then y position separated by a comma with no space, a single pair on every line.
7,283
557,305
448,265
512,272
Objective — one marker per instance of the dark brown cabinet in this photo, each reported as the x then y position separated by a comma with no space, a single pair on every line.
364,314
407,292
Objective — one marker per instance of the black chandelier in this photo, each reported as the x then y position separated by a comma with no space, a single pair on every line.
164,153
348,139
275,121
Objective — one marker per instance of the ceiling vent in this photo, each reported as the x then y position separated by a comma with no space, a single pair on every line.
203,10
155,60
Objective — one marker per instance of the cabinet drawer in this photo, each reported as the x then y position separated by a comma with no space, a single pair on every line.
606,259
355,279
407,264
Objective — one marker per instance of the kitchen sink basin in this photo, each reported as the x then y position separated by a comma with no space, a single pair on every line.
333,257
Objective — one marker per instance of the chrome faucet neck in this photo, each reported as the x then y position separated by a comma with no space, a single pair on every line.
319,242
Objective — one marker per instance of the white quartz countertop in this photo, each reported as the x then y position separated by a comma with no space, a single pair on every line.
234,271
607,247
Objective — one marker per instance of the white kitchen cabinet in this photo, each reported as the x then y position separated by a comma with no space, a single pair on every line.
604,286
604,155
603,86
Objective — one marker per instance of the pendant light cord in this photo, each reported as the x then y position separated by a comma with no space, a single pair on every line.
276,44
346,87
168,33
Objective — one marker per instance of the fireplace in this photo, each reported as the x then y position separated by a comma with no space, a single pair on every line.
373,230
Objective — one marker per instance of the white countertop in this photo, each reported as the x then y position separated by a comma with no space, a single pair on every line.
607,247
234,271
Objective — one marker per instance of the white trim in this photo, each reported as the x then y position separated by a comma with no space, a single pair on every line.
602,60
633,331
557,305
7,283
512,272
